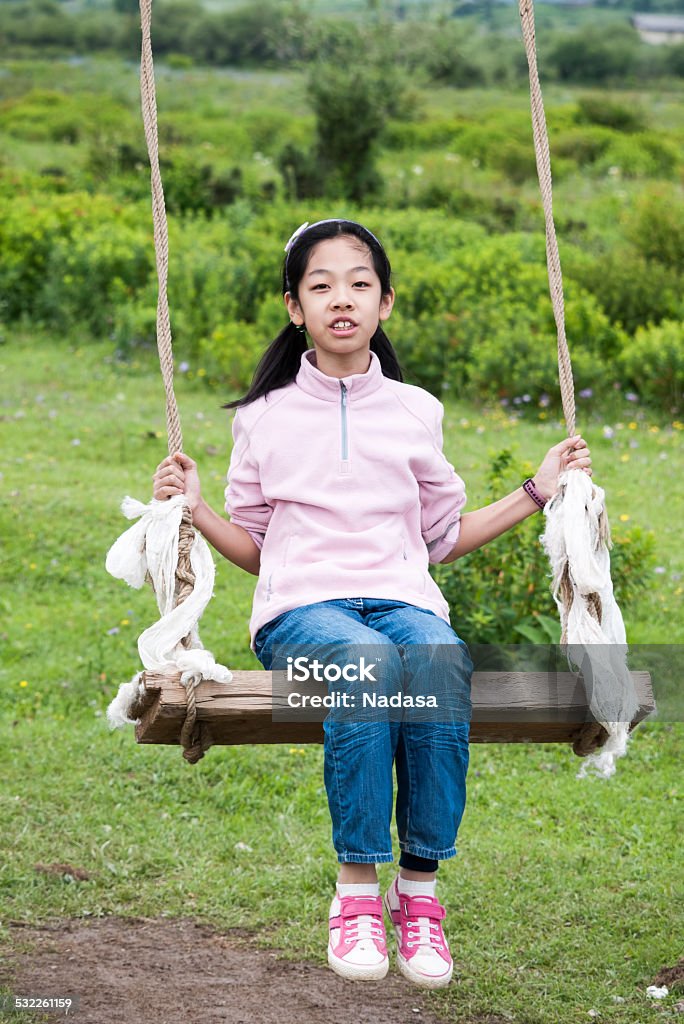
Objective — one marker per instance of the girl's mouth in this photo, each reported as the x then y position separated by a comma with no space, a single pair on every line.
343,328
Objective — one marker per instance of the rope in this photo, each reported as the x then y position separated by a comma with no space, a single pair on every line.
194,739
541,150
161,234
592,735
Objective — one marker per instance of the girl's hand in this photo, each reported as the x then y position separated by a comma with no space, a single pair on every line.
177,474
572,453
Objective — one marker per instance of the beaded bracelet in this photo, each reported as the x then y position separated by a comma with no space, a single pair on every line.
529,488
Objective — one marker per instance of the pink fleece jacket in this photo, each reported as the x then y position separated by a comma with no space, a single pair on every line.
344,487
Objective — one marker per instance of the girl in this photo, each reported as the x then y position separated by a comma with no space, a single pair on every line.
339,495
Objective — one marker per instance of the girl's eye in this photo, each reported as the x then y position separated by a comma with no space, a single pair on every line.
364,284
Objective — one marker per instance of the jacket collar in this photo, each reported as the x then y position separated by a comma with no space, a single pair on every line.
320,385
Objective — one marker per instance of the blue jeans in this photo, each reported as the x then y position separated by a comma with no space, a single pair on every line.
424,653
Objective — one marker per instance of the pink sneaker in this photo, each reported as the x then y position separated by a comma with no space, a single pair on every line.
357,949
423,953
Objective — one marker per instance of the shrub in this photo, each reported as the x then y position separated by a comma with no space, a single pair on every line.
631,289
500,594
519,361
653,363
592,56
231,352
656,226
584,145
675,60
352,101
517,161
441,52
488,305
43,116
601,110
643,155
92,273
45,239
421,135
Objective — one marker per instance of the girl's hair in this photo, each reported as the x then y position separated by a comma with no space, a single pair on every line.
281,361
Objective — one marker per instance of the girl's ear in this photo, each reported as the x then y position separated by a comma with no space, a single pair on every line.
294,309
386,304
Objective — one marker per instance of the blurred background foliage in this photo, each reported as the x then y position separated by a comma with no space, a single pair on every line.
412,116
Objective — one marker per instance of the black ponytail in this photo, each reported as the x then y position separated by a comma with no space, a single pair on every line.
281,361
382,346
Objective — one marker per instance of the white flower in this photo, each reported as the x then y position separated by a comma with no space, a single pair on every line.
653,992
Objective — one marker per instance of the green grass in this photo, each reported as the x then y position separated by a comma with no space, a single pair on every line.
564,893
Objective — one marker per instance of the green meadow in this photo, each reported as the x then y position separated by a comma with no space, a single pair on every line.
565,893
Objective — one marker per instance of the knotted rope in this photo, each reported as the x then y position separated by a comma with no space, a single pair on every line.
568,590
191,737
148,551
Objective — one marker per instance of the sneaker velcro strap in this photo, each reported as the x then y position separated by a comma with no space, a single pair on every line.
421,908
355,907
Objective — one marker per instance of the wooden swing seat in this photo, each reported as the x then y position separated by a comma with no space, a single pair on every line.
507,707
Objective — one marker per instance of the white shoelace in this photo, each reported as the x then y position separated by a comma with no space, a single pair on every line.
366,929
427,935
424,935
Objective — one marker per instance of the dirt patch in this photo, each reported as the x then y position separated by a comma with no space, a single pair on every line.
128,970
673,977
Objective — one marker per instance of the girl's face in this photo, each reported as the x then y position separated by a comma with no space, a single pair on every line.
340,298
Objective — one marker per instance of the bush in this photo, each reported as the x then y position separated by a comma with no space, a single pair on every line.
631,289
517,161
421,135
441,52
231,352
500,594
91,274
584,145
601,110
352,101
518,362
44,116
592,56
675,60
653,363
642,155
656,226
50,266
486,317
